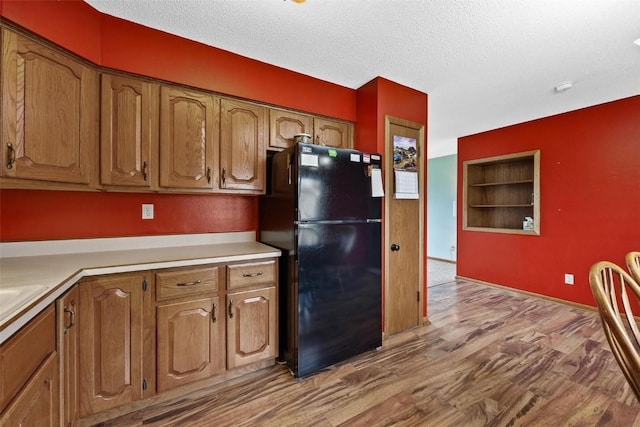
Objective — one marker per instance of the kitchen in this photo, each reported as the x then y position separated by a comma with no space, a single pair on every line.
113,213
126,47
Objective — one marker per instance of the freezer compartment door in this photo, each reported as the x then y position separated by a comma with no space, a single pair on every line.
339,293
334,184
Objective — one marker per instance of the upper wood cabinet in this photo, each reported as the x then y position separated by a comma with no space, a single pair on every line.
49,113
188,131
332,133
283,125
242,146
128,132
110,333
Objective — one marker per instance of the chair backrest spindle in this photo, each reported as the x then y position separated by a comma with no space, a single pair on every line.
616,294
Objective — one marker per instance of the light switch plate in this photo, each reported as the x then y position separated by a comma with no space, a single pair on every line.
568,279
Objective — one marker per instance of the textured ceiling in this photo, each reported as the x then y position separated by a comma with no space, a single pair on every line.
484,64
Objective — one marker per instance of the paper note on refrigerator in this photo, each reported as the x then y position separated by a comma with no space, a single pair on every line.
406,185
376,183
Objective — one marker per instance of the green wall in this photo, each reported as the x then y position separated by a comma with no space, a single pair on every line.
441,193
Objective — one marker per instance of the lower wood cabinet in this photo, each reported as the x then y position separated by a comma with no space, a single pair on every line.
67,309
111,341
29,375
190,342
125,337
251,326
38,404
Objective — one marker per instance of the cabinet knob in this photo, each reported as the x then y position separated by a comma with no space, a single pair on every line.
145,171
214,313
209,175
395,247
230,308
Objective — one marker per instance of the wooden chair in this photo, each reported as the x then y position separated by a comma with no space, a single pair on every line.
633,264
615,291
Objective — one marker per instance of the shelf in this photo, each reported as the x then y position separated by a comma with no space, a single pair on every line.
527,205
494,189
490,184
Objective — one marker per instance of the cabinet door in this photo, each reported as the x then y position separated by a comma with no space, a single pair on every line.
110,330
128,131
332,133
190,342
242,146
49,114
67,308
188,129
283,125
251,326
38,403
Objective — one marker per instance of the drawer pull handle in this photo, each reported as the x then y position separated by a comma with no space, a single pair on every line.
209,175
145,171
195,282
230,309
72,319
214,313
259,273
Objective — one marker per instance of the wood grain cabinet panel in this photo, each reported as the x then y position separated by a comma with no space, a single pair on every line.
67,309
251,326
24,353
190,342
283,125
49,113
332,133
128,132
186,282
111,338
38,404
188,131
242,146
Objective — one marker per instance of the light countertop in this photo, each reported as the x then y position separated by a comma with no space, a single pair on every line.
35,274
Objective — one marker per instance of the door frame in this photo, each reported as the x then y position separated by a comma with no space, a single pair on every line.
388,188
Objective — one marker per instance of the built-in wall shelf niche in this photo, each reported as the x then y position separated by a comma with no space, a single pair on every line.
501,192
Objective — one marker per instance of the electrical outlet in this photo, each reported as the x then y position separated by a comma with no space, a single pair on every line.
147,211
568,279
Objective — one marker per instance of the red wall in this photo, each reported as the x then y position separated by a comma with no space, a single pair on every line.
45,215
375,100
590,200
115,43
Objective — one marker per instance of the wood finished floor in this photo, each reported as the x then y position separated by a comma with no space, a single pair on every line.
490,357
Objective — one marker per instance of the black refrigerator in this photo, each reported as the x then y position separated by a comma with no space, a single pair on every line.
322,210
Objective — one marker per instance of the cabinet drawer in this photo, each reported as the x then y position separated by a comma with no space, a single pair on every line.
240,275
21,356
183,283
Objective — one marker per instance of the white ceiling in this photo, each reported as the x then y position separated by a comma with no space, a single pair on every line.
484,63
